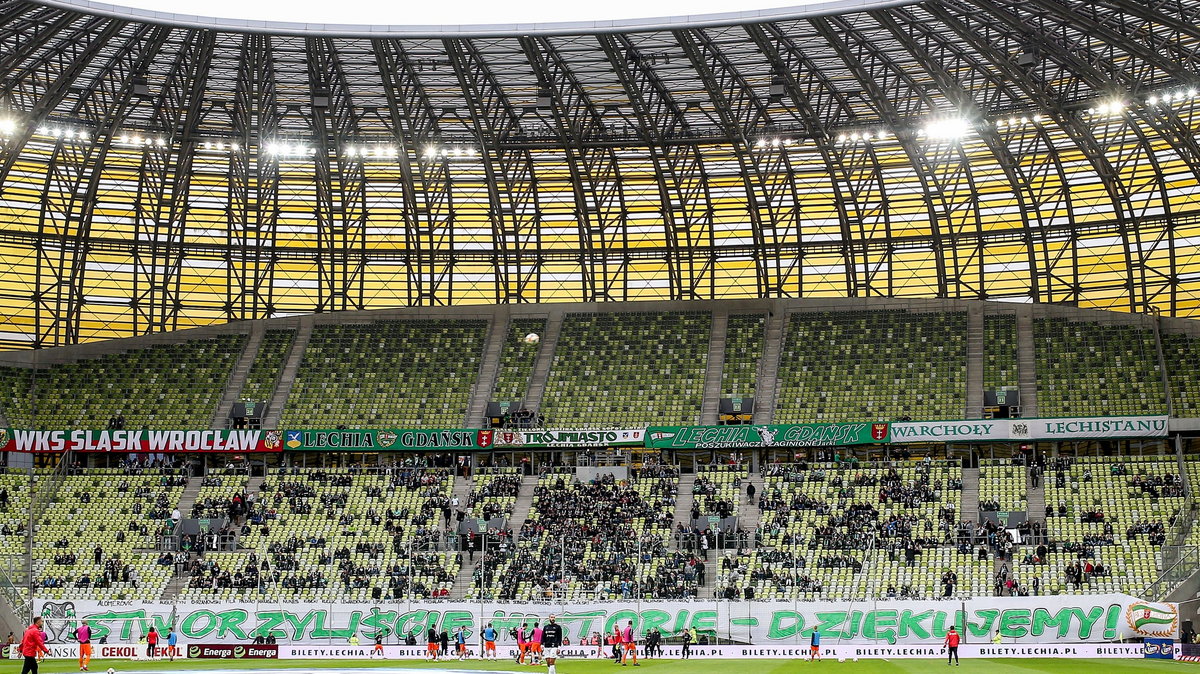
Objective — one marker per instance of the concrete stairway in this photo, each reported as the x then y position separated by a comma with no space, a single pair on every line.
1036,497
970,495
524,503
750,515
190,493
488,368
545,359
288,376
1026,362
233,387
715,366
462,489
768,369
175,587
683,506
974,362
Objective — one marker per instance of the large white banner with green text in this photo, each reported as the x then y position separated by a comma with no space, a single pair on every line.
1095,618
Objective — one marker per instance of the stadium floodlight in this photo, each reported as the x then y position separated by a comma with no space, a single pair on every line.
1191,93
391,151
160,142
235,147
951,128
7,125
430,151
470,152
1152,100
762,142
56,132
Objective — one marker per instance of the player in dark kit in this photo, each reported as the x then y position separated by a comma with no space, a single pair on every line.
552,639
951,644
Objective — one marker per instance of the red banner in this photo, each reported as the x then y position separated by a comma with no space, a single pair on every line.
161,442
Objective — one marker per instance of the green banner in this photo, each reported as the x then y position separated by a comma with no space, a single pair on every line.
387,440
785,435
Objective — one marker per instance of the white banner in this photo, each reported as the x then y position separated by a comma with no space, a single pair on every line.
1071,428
1084,618
950,431
1022,430
504,437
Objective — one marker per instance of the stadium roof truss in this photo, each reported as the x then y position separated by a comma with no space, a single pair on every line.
157,176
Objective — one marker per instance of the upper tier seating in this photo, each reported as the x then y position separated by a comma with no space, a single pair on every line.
1090,369
872,366
516,360
1181,354
1000,368
163,387
628,369
264,372
118,512
387,374
743,350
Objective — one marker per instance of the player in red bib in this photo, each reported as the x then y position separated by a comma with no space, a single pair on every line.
951,644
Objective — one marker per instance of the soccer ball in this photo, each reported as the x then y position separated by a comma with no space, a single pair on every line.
841,659
532,338
112,671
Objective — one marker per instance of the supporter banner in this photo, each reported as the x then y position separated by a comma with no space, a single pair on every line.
950,431
452,439
225,442
389,440
788,435
1066,619
1073,428
502,437
1019,430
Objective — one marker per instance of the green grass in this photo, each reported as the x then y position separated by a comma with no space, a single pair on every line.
668,666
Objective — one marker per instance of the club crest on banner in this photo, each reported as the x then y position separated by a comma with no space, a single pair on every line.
1152,619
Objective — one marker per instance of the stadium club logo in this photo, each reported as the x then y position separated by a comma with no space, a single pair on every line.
484,438
386,438
270,440
294,439
1152,619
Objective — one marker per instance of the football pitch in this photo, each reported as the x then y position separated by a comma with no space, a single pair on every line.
907,666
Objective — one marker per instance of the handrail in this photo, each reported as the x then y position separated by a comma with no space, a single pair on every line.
1179,562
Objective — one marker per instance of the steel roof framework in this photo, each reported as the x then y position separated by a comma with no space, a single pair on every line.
687,162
